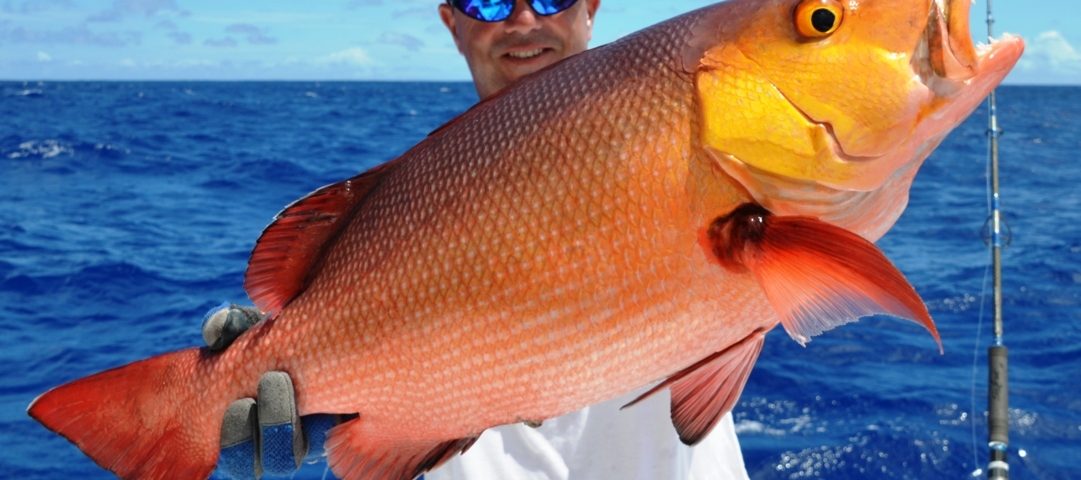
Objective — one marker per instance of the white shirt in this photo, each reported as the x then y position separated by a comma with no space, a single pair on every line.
600,442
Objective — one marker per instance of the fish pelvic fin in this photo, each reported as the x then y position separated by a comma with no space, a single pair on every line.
137,421
291,248
705,391
355,452
817,276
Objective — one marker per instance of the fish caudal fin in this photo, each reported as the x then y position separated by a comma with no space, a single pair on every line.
816,276
356,452
130,420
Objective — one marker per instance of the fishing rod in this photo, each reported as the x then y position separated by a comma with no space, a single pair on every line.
998,424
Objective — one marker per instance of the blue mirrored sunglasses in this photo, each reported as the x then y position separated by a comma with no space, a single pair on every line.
499,10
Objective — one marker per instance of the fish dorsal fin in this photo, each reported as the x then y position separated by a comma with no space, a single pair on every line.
355,452
291,247
705,391
817,276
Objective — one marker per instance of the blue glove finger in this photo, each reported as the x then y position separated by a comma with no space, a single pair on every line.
280,440
238,456
316,427
277,449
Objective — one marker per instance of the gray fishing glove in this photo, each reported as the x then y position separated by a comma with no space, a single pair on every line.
226,322
265,436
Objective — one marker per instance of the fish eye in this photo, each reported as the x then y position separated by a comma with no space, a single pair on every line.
818,18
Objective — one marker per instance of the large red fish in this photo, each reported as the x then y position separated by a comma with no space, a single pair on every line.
645,211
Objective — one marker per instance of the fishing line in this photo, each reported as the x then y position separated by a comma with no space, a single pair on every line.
975,362
979,319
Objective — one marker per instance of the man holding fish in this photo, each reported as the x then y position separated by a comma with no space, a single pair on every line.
502,42
646,210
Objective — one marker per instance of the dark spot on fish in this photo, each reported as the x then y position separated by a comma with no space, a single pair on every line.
733,236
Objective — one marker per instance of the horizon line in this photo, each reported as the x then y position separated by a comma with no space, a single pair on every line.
352,80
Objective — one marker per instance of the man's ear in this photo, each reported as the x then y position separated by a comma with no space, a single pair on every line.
591,11
446,14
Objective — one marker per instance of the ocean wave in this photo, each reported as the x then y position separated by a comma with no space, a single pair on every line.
52,148
25,93
877,451
98,281
109,151
42,149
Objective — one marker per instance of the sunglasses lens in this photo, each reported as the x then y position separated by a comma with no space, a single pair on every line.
550,7
486,10
499,10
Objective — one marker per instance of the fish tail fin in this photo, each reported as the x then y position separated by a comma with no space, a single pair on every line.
137,420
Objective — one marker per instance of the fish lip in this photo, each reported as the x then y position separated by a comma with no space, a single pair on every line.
946,51
947,59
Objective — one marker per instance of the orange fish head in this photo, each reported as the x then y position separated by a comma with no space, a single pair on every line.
837,94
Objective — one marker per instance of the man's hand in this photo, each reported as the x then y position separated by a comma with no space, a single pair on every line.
265,436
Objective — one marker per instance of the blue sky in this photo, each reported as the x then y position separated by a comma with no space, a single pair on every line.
363,39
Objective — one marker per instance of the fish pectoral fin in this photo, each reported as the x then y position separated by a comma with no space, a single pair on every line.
291,247
705,391
817,276
356,452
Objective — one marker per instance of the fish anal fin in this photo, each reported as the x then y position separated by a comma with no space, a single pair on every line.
818,276
705,391
292,246
354,452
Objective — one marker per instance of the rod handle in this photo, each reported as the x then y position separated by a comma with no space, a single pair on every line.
997,396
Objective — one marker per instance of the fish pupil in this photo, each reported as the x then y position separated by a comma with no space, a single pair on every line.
823,20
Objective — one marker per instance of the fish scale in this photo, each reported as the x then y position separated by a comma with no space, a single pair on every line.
540,198
517,228
531,175
642,212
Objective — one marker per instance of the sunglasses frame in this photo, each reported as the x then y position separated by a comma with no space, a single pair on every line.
455,4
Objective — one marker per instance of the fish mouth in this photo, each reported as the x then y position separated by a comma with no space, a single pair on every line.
946,57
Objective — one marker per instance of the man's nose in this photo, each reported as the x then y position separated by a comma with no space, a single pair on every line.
522,20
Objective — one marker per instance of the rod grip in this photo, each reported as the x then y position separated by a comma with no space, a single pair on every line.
998,404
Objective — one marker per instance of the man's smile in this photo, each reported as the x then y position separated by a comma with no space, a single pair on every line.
526,53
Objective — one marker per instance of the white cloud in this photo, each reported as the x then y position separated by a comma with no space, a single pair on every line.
403,40
71,34
44,57
147,8
255,35
1051,51
220,42
34,6
354,56
189,63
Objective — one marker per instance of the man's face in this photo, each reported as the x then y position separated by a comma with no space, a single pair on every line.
500,53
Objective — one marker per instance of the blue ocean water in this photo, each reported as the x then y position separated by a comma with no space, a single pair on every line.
129,209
